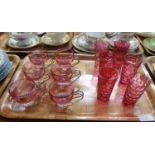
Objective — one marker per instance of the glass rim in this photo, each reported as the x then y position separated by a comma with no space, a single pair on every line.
15,85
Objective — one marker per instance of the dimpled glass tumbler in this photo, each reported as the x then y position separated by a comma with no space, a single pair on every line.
135,89
106,81
130,68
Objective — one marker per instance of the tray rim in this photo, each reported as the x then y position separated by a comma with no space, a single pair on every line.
146,49
11,74
148,63
80,118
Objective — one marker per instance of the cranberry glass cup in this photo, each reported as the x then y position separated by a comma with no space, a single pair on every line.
135,89
23,91
106,81
38,57
120,51
64,73
66,58
130,68
33,72
63,94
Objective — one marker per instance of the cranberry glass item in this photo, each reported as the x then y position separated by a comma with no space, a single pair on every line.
38,57
120,51
66,58
106,81
106,60
33,72
64,73
102,54
63,94
135,89
23,91
130,68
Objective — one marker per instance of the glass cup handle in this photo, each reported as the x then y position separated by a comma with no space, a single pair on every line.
76,75
51,61
78,94
77,61
43,80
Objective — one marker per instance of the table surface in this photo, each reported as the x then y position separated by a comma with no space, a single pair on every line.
3,37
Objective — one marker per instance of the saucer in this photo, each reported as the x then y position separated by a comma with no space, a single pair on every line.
134,43
75,43
84,43
149,43
146,34
14,43
111,34
39,33
52,42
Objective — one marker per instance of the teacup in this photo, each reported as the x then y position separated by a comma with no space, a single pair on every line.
23,38
91,37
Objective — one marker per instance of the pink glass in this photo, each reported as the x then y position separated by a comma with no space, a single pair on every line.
64,73
63,94
106,81
63,58
120,51
33,72
101,47
101,53
23,91
130,68
106,60
38,57
135,89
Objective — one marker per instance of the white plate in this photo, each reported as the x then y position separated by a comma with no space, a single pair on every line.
77,46
14,43
84,43
53,42
134,43
146,34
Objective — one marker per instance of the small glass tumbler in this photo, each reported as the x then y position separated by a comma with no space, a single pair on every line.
64,73
130,68
135,89
62,95
120,51
63,58
106,81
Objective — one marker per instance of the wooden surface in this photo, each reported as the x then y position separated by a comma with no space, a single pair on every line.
15,62
3,37
86,109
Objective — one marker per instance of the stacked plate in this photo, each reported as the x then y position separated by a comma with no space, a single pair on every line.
55,38
149,43
146,34
85,42
23,40
133,42
5,65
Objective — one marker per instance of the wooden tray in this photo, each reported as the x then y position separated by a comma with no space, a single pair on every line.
150,61
88,108
147,51
49,49
15,60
